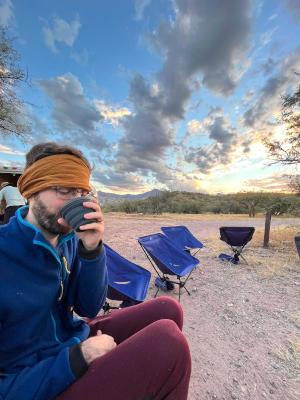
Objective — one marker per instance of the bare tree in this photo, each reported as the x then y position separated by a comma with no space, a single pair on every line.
13,119
287,151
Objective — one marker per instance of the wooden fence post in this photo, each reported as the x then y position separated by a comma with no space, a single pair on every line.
267,228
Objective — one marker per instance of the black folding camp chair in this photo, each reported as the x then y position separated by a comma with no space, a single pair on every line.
167,259
236,237
182,238
127,282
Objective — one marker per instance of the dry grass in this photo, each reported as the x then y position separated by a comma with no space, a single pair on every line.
295,318
280,258
182,217
290,353
187,217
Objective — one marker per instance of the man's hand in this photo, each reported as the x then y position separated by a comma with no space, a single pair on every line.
90,234
97,346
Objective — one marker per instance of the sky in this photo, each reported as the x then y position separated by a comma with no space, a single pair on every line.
167,94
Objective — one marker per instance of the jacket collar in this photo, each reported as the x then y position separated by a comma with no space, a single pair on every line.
33,233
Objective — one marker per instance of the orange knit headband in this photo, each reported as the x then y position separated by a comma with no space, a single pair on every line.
59,170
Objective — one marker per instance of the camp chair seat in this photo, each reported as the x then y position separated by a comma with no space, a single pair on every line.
167,259
236,237
183,238
127,282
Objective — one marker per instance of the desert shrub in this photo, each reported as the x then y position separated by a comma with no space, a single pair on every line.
128,207
196,203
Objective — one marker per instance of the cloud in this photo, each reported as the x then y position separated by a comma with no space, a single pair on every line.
71,111
148,134
62,31
140,6
117,181
40,132
199,47
7,150
249,95
195,127
223,142
90,140
6,12
81,58
203,41
75,117
294,7
273,183
112,114
269,96
266,37
268,66
273,16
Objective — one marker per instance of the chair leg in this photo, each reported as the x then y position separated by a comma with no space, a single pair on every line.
107,307
244,259
156,292
187,290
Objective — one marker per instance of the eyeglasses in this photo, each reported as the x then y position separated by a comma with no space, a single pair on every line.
65,193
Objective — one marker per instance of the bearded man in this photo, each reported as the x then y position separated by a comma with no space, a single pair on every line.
48,272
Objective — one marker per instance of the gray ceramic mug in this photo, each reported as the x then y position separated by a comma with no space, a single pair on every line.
73,212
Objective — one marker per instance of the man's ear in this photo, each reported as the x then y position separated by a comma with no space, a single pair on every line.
32,197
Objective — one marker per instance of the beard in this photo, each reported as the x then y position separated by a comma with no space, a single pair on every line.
46,219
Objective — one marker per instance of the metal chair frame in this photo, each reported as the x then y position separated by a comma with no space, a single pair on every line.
164,278
180,282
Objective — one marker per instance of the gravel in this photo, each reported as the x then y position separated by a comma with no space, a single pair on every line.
243,330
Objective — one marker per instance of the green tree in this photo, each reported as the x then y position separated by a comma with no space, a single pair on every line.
250,201
13,119
155,202
128,207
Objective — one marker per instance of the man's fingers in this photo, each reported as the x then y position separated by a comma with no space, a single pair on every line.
97,346
108,340
91,204
91,226
96,215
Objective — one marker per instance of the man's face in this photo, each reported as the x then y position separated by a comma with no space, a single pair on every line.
45,207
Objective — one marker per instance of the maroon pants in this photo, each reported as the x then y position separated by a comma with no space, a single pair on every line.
151,360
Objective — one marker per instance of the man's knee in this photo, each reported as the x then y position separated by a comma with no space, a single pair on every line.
170,309
169,342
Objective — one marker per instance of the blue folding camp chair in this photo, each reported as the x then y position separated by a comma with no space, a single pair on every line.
182,238
236,237
166,257
127,282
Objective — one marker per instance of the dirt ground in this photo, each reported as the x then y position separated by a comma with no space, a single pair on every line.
242,326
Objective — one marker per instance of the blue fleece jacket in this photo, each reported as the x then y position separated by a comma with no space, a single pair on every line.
40,287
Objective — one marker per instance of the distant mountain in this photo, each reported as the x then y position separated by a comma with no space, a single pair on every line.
109,198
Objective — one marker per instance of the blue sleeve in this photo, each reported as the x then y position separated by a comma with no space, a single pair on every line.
91,286
43,381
